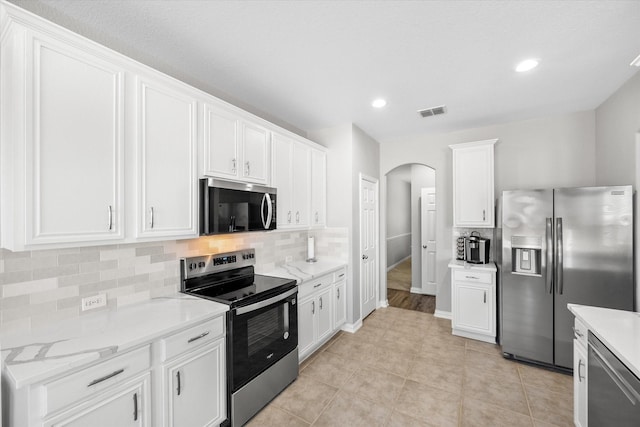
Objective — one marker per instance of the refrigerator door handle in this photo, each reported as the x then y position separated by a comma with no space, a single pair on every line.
559,261
549,255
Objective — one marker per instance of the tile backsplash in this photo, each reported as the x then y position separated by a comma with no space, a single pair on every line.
40,286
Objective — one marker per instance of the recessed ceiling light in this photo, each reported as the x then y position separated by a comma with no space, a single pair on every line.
526,65
379,103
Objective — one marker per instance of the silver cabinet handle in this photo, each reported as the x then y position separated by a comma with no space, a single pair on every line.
179,389
151,216
289,217
484,216
247,168
297,217
338,292
580,376
365,256
485,297
472,277
576,333
424,246
320,303
233,165
106,377
110,223
202,335
135,406
316,217
313,307
318,285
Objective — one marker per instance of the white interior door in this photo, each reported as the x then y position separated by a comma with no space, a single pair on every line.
428,237
368,244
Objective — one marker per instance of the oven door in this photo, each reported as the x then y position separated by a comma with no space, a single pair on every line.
261,334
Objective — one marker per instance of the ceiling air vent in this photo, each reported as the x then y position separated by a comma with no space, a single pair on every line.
434,111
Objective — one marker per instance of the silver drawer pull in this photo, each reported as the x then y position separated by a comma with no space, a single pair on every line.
318,285
202,335
342,275
106,377
471,277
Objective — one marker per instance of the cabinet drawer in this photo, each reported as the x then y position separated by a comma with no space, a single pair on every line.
313,285
580,333
193,337
468,275
90,381
340,275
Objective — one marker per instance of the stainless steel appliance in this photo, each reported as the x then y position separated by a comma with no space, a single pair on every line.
231,207
613,396
262,326
476,249
568,245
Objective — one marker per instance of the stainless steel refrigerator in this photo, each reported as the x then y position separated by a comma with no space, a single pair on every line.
567,245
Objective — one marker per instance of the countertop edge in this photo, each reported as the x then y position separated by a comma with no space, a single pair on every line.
457,264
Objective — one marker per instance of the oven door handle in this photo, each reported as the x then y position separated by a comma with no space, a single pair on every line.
265,303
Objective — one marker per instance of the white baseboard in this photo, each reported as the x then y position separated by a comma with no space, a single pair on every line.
352,327
415,290
442,314
383,304
391,267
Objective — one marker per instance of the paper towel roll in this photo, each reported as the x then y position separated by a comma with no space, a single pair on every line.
311,248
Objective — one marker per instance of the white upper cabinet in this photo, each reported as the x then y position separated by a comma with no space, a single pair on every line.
473,184
167,170
234,148
318,188
62,151
292,178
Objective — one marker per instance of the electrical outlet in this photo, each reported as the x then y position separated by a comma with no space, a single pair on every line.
95,301
288,259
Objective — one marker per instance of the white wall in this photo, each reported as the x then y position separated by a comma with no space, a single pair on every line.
398,221
555,151
617,121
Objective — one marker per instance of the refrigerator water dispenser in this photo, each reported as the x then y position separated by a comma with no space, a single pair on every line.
526,254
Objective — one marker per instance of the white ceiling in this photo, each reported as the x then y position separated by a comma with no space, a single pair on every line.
319,64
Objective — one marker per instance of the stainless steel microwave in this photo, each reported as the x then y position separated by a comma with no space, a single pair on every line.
233,207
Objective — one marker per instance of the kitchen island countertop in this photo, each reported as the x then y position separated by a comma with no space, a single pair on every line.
40,354
619,330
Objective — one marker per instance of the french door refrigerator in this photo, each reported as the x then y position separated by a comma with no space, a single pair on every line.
567,245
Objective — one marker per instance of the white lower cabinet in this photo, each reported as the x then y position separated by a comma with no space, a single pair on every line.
125,405
474,302
580,374
177,380
321,311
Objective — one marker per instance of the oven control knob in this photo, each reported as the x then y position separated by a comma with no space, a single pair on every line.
286,335
192,266
201,264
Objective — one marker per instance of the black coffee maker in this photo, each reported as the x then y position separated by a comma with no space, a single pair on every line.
476,249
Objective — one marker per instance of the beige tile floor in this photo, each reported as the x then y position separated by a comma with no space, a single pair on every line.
404,368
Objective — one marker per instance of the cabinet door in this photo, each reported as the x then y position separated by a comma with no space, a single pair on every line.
473,186
167,161
196,388
307,309
579,385
301,177
472,307
318,188
255,151
122,406
340,303
221,151
282,178
325,314
74,149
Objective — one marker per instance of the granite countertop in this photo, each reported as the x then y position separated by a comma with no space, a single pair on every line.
303,271
40,354
619,330
454,263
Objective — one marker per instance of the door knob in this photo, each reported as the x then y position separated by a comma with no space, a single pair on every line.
424,246
365,257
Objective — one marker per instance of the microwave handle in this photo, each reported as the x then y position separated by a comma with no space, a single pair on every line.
266,222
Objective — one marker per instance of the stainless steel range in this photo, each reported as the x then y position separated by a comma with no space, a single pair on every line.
262,326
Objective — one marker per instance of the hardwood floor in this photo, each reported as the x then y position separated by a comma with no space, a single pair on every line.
398,295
